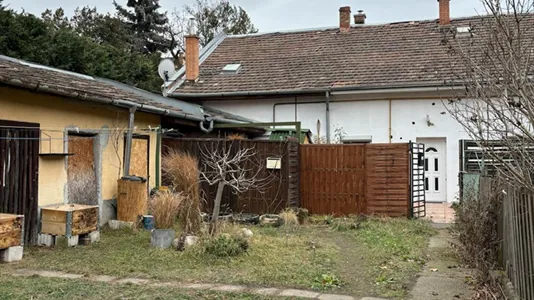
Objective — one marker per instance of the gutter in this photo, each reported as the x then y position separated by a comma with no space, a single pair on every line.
333,91
121,103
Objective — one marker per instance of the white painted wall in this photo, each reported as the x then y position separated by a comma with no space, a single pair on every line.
365,117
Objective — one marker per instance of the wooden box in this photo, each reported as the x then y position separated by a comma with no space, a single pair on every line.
11,230
69,219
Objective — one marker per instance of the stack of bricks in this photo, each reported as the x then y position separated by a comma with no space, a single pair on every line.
440,212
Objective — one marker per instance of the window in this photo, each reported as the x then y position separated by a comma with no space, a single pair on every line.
426,184
436,184
431,149
436,164
426,164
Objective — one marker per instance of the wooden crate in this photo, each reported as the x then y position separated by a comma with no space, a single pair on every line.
69,219
11,230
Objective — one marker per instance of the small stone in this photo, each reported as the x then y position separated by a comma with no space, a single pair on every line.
246,233
190,240
176,243
12,254
299,293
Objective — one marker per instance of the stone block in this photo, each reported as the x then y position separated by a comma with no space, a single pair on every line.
46,240
67,241
95,236
117,225
12,254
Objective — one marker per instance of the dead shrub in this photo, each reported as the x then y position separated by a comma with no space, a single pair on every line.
289,217
476,229
182,171
165,206
236,136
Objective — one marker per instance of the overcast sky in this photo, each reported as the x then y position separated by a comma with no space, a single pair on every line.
273,15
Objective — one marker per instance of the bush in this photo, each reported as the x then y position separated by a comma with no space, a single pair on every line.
181,169
226,245
476,229
165,206
289,217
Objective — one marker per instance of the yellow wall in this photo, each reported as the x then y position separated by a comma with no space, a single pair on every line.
56,116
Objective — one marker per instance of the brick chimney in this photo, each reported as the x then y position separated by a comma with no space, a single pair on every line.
344,19
444,12
192,48
359,18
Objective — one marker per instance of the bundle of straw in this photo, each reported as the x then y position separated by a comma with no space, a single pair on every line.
165,206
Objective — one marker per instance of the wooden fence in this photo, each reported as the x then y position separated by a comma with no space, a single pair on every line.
19,166
356,179
282,191
516,231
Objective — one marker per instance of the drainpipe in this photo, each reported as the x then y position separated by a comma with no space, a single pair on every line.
328,117
158,155
390,130
128,146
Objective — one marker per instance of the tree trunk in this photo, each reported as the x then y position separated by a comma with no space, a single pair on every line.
216,207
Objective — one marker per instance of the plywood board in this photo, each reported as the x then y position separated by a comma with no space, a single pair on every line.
54,228
10,239
139,158
84,221
81,170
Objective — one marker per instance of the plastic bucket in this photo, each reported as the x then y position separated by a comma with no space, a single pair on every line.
148,222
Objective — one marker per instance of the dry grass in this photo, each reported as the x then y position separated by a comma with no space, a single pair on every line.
165,207
83,188
182,170
290,217
236,137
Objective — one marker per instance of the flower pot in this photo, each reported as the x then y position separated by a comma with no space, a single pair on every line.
246,218
162,238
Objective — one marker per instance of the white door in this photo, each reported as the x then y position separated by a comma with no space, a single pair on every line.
435,169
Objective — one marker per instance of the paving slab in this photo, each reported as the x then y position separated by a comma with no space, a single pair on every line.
372,298
136,281
440,288
51,274
335,297
71,276
24,272
198,286
266,291
103,278
228,288
299,293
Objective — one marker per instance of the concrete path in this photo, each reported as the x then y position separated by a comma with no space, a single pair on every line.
274,292
442,278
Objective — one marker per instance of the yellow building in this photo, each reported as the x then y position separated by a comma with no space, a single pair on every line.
63,137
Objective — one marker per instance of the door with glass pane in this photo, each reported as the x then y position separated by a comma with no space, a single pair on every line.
435,169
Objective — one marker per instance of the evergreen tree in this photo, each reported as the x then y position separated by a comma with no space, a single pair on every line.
146,23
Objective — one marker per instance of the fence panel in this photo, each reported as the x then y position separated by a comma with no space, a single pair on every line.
282,191
388,179
517,235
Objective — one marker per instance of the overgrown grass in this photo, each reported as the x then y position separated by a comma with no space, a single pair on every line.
47,288
380,257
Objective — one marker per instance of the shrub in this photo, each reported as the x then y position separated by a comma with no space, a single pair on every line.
165,206
289,217
226,245
476,229
181,169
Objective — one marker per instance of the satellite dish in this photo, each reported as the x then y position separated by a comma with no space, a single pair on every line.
166,69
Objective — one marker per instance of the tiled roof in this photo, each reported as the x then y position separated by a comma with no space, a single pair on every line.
370,56
32,76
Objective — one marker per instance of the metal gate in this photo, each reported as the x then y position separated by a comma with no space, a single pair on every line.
417,180
19,165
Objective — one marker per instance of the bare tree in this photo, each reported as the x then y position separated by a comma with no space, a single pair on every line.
225,164
492,57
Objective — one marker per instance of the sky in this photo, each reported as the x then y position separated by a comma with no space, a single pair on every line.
275,15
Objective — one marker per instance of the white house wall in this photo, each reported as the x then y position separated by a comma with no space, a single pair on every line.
364,117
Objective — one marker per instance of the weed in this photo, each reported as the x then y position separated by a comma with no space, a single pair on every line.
326,282
289,217
225,245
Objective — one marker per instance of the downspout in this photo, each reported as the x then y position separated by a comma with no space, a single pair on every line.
328,117
389,122
158,155
128,146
